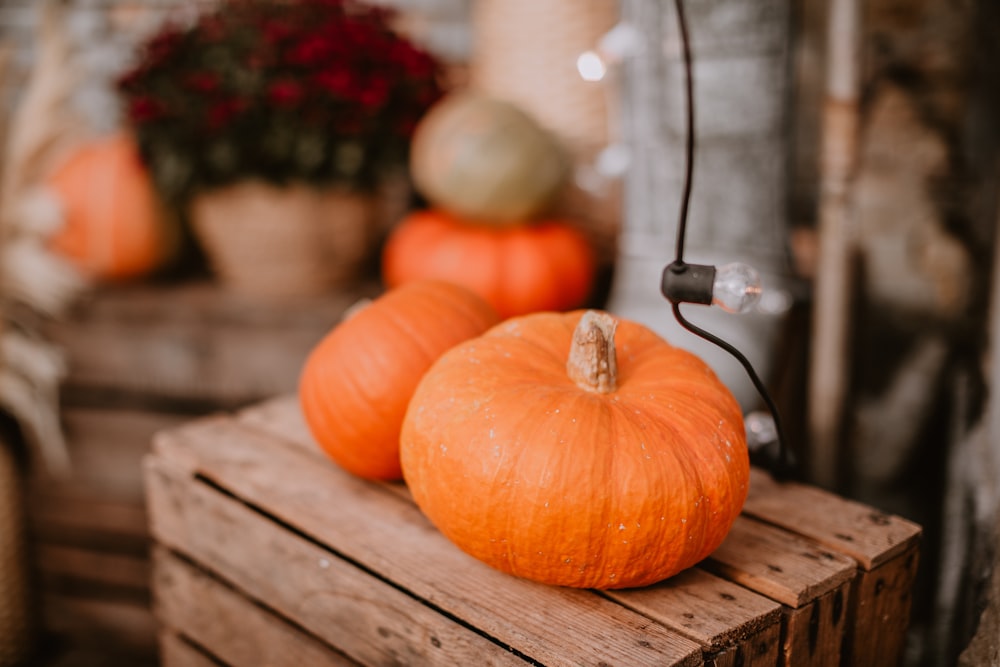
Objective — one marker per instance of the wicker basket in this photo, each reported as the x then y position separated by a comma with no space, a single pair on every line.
525,51
271,241
17,629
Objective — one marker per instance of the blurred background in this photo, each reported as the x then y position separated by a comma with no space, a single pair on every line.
845,149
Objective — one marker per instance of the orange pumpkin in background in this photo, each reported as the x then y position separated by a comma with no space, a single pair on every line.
112,228
576,450
357,381
545,265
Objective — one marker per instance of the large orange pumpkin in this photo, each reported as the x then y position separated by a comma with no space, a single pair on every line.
112,225
356,383
558,448
486,159
548,265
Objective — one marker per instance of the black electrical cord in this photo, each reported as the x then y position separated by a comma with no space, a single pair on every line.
784,466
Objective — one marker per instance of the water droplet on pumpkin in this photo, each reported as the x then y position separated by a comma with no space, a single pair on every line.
621,526
493,434
444,448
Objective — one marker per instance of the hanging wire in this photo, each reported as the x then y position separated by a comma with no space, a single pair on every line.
785,464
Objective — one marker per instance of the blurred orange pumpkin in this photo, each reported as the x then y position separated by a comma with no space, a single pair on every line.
546,265
112,226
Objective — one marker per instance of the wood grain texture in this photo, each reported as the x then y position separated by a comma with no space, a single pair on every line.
712,611
81,569
770,595
177,652
812,574
199,607
367,524
880,601
815,633
779,564
194,342
368,619
865,534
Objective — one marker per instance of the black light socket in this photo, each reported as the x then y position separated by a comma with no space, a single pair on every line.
688,283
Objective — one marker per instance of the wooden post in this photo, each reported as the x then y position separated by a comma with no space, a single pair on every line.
740,53
839,148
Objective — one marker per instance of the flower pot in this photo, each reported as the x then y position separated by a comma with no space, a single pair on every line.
272,241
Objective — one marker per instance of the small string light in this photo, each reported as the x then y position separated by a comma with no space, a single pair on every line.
733,287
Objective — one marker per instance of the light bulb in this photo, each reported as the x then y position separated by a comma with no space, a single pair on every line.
736,287
622,41
760,429
591,66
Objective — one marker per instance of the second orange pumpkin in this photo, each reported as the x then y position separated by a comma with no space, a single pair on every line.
547,265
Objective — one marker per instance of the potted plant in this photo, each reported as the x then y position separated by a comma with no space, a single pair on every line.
260,113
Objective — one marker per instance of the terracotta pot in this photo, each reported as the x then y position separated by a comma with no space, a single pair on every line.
267,240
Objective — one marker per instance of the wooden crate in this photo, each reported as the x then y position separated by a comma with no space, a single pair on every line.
268,553
143,358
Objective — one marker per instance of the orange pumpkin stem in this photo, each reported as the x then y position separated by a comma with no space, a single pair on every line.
592,364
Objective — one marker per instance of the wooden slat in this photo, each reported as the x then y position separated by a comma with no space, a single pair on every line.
329,597
210,614
68,567
106,447
852,528
123,628
778,564
177,652
195,342
368,524
714,612
815,633
807,574
59,515
881,601
762,650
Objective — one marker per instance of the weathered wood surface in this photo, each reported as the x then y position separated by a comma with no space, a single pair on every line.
177,652
311,536
193,342
238,631
392,540
885,547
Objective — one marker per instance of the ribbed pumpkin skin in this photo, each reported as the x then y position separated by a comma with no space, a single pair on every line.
357,381
518,270
486,159
533,475
112,228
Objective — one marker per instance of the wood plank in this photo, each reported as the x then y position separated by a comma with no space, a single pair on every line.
786,567
178,652
61,515
368,524
783,566
865,534
239,632
65,568
717,614
112,627
880,602
370,620
195,342
106,447
815,633
762,650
